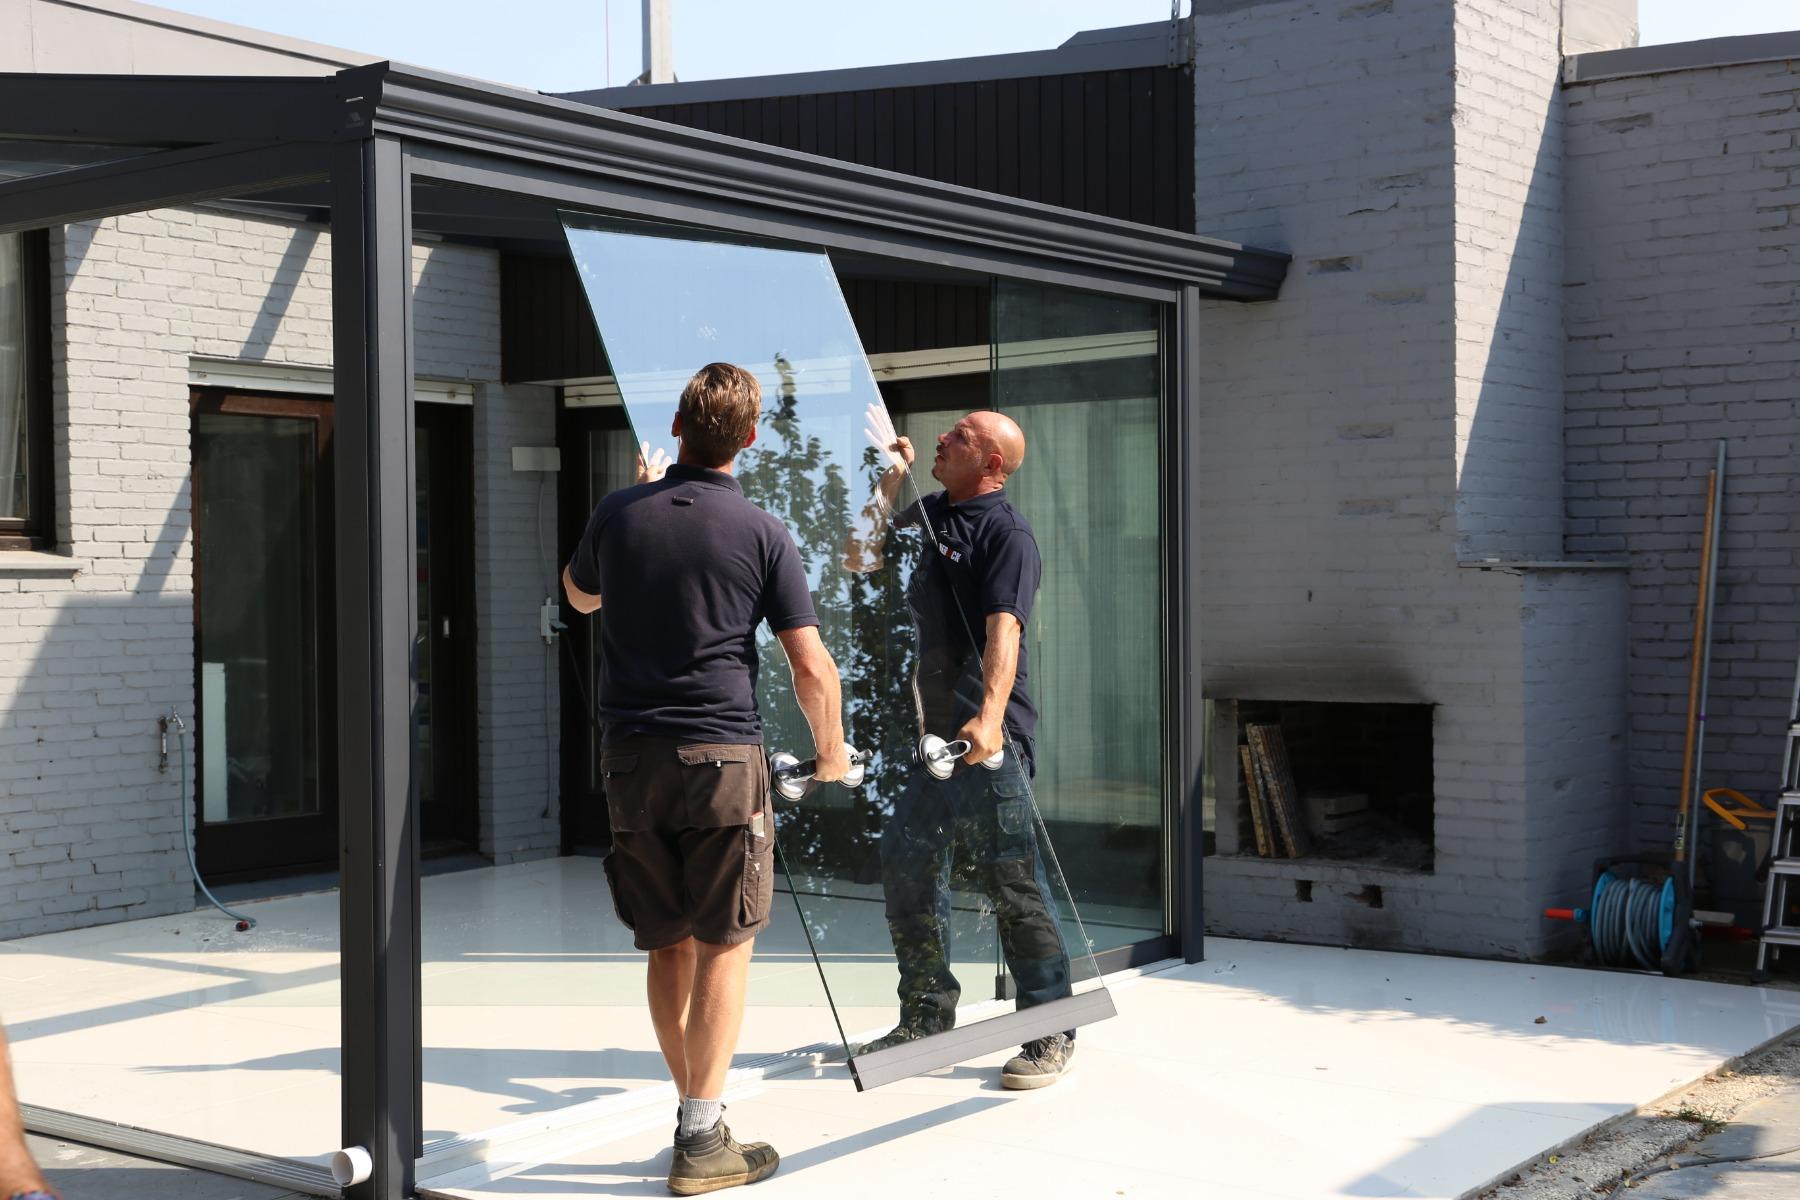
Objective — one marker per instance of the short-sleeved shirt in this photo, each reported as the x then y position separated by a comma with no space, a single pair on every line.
980,558
686,568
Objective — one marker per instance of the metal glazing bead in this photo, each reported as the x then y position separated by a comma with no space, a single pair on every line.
940,757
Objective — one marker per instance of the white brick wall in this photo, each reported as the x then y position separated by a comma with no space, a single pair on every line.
1396,411
91,830
1509,337
1683,258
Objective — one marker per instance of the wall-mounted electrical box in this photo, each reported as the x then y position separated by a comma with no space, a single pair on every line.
537,458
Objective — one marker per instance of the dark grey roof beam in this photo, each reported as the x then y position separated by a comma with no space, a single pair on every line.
171,177
623,156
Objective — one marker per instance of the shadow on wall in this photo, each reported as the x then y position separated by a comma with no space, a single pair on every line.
1509,501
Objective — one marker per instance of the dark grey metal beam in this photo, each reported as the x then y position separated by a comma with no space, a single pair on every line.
1182,457
524,137
159,110
158,180
575,190
984,1037
371,262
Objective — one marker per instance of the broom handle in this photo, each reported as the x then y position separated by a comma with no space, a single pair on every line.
1694,670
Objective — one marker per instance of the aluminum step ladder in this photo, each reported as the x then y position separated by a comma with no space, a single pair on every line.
1784,847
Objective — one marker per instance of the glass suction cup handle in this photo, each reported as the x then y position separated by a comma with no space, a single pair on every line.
793,778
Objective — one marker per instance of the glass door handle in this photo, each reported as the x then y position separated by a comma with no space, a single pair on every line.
446,627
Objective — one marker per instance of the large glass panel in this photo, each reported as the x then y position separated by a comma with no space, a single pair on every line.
128,997
15,428
907,885
1082,375
612,464
24,157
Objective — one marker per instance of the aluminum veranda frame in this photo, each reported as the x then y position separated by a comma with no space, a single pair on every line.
354,147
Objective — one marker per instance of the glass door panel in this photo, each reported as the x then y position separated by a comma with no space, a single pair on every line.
905,884
1082,375
264,798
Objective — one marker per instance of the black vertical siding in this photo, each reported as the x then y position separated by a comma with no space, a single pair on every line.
1112,142
1118,143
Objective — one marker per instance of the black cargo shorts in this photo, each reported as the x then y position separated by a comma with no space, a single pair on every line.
693,839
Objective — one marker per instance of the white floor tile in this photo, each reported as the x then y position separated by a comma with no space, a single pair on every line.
1268,1071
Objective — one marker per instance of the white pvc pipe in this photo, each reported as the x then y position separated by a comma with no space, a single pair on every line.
351,1165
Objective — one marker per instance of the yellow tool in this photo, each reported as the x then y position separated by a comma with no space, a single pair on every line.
1742,808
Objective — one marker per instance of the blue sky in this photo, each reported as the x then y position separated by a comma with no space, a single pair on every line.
561,45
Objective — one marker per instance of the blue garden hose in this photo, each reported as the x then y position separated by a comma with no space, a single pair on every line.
187,830
1631,920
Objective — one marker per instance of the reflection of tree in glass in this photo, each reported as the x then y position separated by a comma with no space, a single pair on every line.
793,473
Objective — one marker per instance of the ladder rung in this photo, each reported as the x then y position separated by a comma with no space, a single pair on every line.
1782,935
1785,866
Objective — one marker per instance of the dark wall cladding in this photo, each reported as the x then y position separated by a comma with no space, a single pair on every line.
1116,143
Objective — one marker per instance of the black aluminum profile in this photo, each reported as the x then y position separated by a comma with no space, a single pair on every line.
519,135
724,176
1188,699
371,261
984,1037
169,177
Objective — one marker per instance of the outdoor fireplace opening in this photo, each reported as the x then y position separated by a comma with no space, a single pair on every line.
1336,782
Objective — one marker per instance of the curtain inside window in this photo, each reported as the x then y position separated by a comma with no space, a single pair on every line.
14,482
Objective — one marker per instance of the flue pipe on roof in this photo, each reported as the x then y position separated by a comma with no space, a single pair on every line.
659,43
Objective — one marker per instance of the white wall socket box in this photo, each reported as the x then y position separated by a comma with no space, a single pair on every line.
537,458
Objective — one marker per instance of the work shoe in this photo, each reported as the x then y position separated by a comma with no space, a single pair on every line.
711,1161
899,1035
1040,1063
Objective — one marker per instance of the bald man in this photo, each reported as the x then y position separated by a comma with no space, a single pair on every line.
971,596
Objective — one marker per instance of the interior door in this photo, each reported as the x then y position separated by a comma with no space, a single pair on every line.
264,784
265,775
905,859
444,716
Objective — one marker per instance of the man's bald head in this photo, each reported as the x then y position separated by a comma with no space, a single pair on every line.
1001,435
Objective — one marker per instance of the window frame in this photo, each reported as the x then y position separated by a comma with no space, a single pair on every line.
36,531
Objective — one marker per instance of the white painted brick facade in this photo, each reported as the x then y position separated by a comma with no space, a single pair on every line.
1683,260
1508,309
91,831
1395,414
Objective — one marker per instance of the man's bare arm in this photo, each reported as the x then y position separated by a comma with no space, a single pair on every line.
985,731
821,698
582,602
18,1173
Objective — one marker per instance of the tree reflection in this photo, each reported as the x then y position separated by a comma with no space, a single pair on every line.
803,475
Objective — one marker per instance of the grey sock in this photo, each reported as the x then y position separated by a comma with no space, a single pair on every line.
698,1116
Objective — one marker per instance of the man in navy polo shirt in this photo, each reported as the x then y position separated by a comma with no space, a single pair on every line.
971,597
689,568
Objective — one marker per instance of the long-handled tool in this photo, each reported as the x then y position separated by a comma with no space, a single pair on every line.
1681,952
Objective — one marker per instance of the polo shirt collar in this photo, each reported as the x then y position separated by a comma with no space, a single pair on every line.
979,503
693,474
